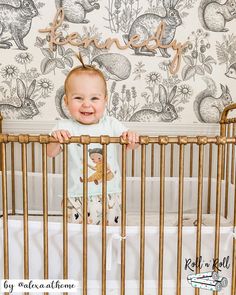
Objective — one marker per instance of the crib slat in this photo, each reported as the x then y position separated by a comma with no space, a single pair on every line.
161,219
33,156
133,161
13,178
152,159
227,174
199,208
233,280
233,155
209,180
218,206
65,213
5,211
142,218
85,217
182,141
104,212
123,220
171,159
25,210
45,208
191,160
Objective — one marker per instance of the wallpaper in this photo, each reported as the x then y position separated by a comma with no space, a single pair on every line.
141,85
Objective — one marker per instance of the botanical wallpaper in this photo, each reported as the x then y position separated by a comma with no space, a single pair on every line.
140,84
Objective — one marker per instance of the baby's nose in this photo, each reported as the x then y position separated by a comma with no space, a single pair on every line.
86,103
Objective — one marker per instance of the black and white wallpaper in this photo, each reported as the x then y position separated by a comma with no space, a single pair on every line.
141,87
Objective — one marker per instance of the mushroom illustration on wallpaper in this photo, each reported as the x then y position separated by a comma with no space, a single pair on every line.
113,65
76,10
15,22
146,26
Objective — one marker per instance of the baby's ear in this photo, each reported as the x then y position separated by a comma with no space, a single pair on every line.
66,99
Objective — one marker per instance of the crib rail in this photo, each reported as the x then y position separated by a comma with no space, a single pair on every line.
204,147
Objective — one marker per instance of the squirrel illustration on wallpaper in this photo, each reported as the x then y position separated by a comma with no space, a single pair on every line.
15,22
75,10
214,15
207,106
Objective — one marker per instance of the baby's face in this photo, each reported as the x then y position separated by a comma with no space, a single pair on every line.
96,157
85,98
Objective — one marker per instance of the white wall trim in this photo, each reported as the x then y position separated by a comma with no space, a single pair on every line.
147,128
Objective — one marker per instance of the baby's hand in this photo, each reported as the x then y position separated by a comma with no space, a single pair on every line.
132,137
61,135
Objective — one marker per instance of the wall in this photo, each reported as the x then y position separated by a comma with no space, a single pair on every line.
139,81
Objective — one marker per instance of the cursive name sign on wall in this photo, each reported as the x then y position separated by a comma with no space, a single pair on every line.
152,43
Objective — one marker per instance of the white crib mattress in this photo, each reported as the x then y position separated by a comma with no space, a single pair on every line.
151,219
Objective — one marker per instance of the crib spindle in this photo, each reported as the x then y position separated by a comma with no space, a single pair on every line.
5,211
233,285
33,156
220,142
191,160
201,142
43,140
152,159
104,141
24,139
163,141
233,156
227,173
85,140
13,178
143,141
123,218
209,180
181,141
171,160
132,164
65,213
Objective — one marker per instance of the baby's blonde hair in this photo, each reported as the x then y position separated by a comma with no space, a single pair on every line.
88,69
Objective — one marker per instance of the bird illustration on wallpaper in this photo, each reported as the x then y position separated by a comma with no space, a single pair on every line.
166,114
15,22
213,14
207,106
146,25
76,10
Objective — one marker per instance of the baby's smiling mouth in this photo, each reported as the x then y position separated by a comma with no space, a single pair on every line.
86,113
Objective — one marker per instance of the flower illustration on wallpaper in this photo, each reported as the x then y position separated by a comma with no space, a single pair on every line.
226,54
122,104
197,62
121,14
23,92
139,70
59,57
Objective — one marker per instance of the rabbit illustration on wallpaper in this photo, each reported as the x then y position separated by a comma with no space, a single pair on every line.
207,106
214,15
15,22
167,113
75,10
26,108
146,26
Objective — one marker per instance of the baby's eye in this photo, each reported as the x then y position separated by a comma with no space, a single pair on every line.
95,98
77,97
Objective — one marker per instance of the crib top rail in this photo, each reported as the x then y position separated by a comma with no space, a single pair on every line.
105,139
225,120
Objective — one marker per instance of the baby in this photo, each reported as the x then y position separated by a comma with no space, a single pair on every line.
86,99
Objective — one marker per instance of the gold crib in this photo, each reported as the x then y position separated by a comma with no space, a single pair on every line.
162,165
